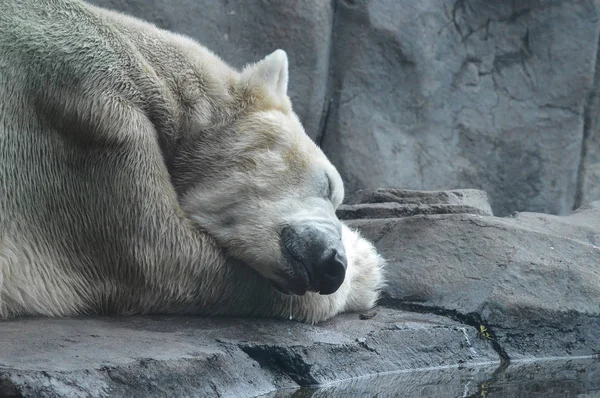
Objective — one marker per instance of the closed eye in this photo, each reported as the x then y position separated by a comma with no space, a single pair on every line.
329,192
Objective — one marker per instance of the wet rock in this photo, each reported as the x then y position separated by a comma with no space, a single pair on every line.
539,379
190,356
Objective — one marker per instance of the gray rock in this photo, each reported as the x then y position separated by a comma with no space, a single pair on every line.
589,172
548,379
395,210
394,203
188,356
532,280
245,31
446,94
468,197
583,224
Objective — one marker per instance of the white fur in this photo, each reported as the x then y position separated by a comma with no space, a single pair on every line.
270,73
141,174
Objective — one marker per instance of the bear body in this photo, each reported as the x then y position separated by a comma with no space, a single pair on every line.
140,174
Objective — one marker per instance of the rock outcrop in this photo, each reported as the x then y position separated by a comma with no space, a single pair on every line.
469,296
446,94
532,280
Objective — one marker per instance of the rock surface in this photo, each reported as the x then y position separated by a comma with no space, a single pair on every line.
532,281
440,94
393,203
188,356
580,378
588,188
429,94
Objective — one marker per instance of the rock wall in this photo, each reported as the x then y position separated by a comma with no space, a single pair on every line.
428,94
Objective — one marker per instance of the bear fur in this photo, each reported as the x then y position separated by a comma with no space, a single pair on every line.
140,174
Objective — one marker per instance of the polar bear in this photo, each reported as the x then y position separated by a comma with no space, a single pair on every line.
140,174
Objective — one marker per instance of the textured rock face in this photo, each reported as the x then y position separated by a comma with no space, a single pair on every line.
589,174
435,94
171,356
463,93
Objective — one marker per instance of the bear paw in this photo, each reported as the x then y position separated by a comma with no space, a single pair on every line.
364,273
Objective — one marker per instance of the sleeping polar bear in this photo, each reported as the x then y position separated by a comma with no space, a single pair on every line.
140,174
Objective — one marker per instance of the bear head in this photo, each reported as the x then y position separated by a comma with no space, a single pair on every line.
263,190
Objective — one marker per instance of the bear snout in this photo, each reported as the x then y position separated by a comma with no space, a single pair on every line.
316,254
331,268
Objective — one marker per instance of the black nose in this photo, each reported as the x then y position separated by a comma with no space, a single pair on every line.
330,271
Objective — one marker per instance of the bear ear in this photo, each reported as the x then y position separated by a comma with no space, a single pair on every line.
270,73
